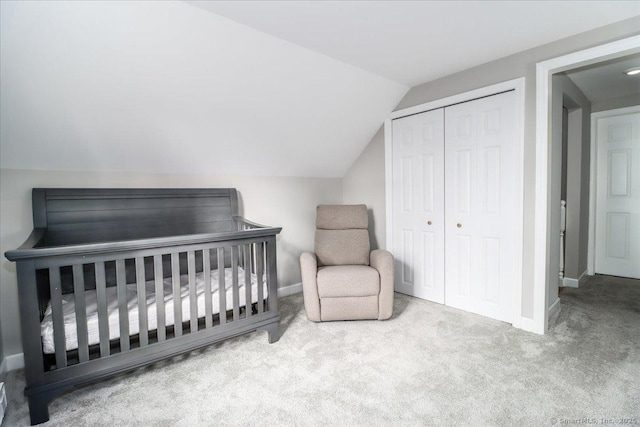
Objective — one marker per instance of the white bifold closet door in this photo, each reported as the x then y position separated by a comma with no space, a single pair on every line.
454,181
479,205
618,195
418,196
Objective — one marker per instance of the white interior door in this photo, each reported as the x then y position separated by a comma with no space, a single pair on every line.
480,176
418,214
617,246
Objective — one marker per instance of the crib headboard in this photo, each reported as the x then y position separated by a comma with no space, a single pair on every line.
77,215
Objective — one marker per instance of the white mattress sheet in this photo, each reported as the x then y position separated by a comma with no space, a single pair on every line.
69,307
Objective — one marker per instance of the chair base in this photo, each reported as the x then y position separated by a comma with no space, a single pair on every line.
349,308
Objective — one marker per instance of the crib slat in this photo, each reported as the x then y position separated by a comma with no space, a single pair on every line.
81,313
142,303
272,278
177,301
103,320
234,284
158,278
58,318
123,312
206,271
259,273
222,287
193,297
247,280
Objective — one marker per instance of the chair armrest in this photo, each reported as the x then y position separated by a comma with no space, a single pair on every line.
309,273
382,261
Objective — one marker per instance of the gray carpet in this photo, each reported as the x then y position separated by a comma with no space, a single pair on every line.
428,365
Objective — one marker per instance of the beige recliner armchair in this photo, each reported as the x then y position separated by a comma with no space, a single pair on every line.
342,280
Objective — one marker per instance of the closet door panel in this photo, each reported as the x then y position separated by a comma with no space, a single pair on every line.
418,195
461,265
479,205
408,267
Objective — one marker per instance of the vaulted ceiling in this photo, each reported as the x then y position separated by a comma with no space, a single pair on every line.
412,42
249,88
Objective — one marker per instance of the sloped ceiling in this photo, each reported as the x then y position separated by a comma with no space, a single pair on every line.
413,42
167,87
268,89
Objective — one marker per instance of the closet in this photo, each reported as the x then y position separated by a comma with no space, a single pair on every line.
454,178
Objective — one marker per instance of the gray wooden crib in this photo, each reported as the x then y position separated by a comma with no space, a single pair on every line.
113,279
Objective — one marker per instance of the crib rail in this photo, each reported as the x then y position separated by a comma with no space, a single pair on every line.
156,267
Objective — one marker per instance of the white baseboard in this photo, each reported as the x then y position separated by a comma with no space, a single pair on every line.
553,309
13,362
285,291
583,278
568,282
527,324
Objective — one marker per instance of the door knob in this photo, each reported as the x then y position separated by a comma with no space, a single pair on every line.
459,225
428,222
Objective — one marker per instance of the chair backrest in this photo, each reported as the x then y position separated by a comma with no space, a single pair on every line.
342,237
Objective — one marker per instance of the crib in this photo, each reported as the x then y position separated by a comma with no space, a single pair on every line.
113,279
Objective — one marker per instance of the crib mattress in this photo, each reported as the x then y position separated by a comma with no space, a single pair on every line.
69,311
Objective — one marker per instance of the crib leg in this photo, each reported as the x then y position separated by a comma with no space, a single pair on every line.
274,332
38,408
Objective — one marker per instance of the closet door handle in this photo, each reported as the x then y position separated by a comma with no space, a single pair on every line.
459,225
428,222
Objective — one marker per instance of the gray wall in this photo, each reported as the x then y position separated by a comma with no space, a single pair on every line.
362,184
612,104
578,176
567,94
286,202
519,65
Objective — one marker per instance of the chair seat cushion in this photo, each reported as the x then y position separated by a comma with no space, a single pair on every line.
348,281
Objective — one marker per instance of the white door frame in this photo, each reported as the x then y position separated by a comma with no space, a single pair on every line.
518,86
542,241
591,248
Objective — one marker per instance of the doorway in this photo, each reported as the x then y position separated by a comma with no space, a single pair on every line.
569,187
547,158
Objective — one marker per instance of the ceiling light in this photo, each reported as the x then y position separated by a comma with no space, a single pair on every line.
632,71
